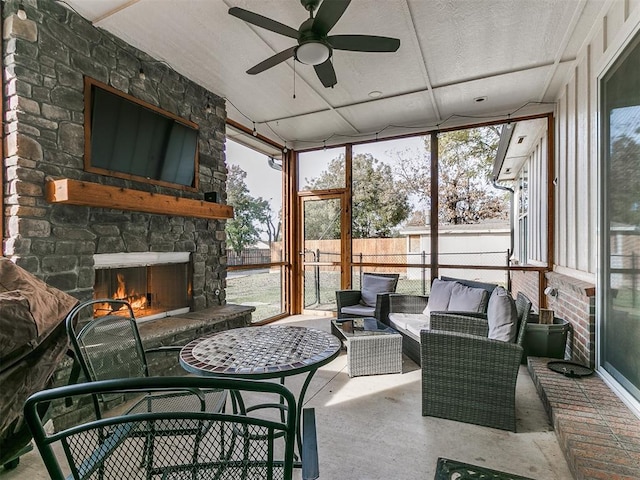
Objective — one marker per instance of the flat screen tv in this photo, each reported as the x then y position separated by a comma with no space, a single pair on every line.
128,138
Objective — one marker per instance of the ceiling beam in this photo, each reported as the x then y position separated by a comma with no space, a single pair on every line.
113,11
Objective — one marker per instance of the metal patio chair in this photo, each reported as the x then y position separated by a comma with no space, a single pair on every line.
202,444
109,347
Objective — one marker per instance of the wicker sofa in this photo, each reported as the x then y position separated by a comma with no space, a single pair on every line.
412,319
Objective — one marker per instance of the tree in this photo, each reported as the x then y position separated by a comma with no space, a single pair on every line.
625,180
465,161
378,206
242,229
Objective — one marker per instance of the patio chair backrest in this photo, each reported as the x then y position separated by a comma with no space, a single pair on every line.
194,444
394,276
107,346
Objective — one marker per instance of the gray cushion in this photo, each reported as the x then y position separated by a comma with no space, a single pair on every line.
472,283
439,296
502,316
372,285
360,310
467,299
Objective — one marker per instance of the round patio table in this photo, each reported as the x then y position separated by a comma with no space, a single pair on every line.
261,353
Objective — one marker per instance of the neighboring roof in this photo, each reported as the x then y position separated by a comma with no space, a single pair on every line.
489,226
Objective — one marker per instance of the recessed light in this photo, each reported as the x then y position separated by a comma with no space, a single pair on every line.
480,99
375,94
521,139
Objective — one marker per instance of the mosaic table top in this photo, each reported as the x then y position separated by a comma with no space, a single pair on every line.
260,352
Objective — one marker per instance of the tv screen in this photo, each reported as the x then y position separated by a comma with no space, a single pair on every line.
140,140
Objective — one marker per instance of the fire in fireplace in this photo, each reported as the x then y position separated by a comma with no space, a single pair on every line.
155,285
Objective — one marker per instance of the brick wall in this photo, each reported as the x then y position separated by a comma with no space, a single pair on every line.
574,302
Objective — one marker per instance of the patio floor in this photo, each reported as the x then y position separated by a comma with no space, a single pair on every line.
371,428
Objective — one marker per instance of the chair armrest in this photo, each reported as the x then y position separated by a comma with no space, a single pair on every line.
310,466
345,298
456,358
401,303
470,323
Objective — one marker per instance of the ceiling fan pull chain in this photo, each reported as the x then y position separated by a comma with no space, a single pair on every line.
294,79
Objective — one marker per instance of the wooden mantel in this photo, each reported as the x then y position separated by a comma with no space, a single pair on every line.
75,192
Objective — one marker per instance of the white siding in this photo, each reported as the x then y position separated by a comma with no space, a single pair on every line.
577,142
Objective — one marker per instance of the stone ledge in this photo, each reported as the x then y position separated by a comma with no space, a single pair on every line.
191,325
598,434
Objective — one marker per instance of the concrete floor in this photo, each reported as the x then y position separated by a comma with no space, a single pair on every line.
371,428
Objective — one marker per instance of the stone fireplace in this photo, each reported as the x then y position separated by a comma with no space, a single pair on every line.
46,59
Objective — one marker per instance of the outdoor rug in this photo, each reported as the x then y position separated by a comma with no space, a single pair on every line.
454,470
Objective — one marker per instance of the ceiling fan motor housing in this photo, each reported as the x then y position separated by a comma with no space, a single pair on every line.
310,5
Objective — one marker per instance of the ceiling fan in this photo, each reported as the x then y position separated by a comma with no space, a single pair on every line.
315,46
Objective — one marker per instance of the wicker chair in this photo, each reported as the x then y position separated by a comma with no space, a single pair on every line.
465,375
202,444
351,298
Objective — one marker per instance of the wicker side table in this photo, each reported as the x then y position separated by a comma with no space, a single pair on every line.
372,347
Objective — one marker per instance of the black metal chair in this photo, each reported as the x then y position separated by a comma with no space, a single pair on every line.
202,444
106,345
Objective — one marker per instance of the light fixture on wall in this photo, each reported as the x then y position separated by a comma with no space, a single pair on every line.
207,108
22,13
313,53
551,292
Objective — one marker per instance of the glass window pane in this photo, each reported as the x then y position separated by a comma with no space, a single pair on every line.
620,340
473,218
321,169
260,288
254,190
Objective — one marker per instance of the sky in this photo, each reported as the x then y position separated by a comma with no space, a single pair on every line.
265,182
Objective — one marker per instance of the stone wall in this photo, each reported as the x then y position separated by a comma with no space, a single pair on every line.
46,58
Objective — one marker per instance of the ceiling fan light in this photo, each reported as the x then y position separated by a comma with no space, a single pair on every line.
312,53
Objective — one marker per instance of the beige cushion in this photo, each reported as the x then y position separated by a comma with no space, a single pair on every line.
403,320
502,316
47,305
372,285
467,299
439,296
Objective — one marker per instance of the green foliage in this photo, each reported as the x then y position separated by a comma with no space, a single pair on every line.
378,206
465,162
242,230
624,180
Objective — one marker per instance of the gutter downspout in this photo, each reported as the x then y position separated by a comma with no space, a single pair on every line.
503,147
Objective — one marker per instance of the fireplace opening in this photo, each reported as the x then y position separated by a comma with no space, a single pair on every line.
151,290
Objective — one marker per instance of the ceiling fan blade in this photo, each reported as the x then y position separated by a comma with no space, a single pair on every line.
263,22
326,73
364,43
328,15
272,61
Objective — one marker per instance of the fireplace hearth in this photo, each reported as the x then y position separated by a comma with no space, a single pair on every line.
155,284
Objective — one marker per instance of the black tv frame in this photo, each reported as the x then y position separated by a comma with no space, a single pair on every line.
89,85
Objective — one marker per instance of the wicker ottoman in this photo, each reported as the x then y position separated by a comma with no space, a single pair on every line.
372,347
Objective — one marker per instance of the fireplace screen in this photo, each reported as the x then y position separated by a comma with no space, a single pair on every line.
150,290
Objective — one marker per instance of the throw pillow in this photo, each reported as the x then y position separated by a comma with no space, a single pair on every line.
502,316
439,296
467,299
372,285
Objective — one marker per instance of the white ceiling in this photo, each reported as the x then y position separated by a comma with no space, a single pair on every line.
516,53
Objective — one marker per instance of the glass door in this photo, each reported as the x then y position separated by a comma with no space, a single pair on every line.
620,292
321,251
